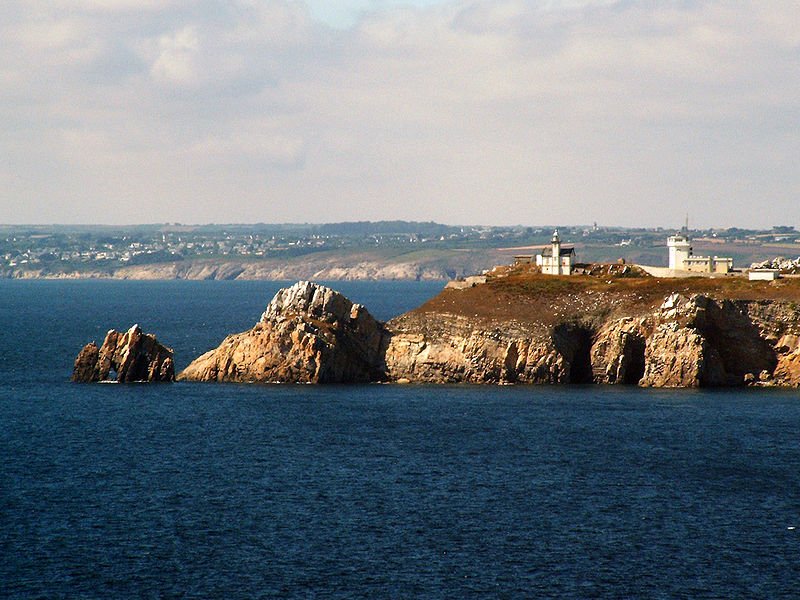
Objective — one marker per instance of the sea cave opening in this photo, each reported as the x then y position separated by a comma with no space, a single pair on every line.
634,353
574,342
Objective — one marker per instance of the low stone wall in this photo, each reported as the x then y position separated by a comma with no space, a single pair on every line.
666,272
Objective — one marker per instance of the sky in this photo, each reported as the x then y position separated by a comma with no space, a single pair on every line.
496,112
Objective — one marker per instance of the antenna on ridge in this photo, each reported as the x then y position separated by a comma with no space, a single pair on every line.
686,226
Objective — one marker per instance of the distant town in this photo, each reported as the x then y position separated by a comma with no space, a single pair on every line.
62,248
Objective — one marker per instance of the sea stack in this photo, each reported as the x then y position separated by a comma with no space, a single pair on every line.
133,356
309,333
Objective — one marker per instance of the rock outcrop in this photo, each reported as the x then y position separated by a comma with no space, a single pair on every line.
455,352
131,356
698,341
308,334
618,351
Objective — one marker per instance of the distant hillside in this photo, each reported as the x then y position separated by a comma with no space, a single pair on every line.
332,265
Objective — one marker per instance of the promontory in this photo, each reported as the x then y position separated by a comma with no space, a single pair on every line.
613,325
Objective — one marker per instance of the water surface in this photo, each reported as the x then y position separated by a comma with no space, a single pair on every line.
242,491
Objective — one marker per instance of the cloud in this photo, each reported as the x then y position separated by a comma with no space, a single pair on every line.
464,111
177,54
255,147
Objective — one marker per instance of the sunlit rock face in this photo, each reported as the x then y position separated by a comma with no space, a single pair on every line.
308,334
312,334
125,357
693,341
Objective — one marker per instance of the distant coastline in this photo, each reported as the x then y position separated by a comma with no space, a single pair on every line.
386,250
271,270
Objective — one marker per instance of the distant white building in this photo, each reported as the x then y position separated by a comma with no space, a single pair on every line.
555,260
682,258
679,250
763,274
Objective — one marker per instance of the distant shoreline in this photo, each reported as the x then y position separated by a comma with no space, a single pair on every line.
237,273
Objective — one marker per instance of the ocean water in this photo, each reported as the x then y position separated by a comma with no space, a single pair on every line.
374,491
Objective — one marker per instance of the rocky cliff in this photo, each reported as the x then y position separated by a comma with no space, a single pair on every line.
131,356
528,329
308,334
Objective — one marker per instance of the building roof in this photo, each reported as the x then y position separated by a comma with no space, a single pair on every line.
548,251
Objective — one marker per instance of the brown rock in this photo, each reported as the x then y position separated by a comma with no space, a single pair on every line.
132,356
308,333
701,341
85,369
686,342
618,351
453,350
674,357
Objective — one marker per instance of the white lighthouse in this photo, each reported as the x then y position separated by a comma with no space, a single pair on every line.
555,260
556,243
679,250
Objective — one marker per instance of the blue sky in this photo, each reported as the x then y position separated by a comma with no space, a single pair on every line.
623,112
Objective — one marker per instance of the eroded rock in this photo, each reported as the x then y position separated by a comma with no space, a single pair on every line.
676,357
130,356
618,351
308,334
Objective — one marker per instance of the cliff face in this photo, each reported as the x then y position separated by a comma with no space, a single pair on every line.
559,332
454,351
132,356
308,334
685,342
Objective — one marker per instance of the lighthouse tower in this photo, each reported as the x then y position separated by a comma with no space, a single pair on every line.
679,250
556,264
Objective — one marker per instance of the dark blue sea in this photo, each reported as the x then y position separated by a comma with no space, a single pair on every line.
247,491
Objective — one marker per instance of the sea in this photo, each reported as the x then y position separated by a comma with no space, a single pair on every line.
193,490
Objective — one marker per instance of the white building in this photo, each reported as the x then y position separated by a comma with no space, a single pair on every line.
763,274
555,260
682,258
679,250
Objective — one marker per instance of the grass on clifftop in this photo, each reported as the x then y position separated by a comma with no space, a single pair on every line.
731,287
523,295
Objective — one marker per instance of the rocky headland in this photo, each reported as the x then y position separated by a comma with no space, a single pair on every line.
523,327
308,334
125,357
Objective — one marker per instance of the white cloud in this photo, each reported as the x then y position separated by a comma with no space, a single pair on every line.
177,52
465,111
255,147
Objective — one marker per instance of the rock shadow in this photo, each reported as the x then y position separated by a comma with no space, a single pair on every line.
633,351
574,343
737,343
